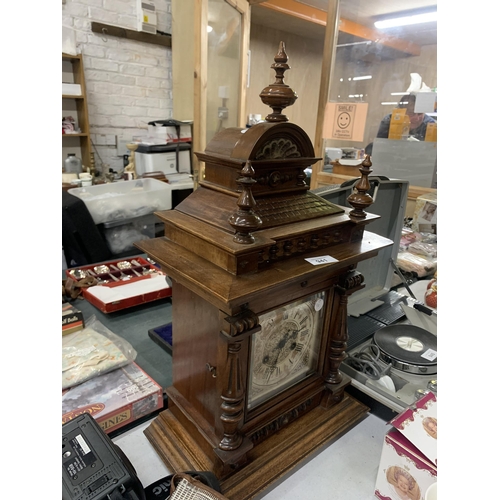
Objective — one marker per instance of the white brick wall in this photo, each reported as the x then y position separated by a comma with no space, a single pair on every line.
128,83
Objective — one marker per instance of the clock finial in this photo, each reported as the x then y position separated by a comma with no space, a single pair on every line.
360,199
278,95
244,220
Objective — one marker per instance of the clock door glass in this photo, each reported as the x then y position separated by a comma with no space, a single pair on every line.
286,349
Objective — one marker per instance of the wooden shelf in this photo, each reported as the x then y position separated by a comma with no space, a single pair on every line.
139,36
81,108
70,57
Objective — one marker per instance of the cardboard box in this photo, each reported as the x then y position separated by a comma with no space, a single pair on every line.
118,293
72,319
71,89
399,125
425,214
114,399
408,464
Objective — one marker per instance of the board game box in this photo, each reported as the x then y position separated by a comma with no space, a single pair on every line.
114,399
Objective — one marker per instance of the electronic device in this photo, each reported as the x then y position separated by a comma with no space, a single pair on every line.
93,468
168,158
389,201
376,310
405,354
146,16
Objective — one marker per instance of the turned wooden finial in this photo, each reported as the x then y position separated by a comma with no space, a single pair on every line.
244,220
278,95
360,199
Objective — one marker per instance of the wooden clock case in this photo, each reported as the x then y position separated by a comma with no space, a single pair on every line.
235,249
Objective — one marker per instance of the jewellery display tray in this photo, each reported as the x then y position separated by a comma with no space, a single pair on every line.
111,287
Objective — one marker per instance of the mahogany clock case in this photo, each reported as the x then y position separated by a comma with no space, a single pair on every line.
215,315
259,331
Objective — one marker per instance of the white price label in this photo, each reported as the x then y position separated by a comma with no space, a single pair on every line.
324,259
430,354
318,305
83,444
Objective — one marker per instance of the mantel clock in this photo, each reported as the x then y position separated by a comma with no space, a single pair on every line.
261,271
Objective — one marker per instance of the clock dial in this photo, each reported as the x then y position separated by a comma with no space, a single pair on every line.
286,349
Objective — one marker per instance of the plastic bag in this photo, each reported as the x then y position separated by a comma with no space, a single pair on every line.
423,249
407,238
93,351
411,263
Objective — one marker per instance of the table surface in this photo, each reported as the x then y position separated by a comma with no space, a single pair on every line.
344,470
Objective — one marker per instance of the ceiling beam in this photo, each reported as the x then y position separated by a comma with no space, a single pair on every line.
317,16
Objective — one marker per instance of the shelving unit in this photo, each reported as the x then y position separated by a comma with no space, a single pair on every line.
76,106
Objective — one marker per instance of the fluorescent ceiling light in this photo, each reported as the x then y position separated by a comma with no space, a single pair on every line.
367,42
366,77
389,103
407,20
399,93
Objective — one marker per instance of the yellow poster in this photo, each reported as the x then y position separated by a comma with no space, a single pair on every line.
345,121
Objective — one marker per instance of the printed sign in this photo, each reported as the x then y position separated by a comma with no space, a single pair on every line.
345,121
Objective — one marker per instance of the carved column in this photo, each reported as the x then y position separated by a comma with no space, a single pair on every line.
348,284
234,446
233,399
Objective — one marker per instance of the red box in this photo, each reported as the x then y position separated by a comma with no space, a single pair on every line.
408,464
114,399
109,292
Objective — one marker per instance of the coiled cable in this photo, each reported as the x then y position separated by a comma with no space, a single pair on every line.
367,361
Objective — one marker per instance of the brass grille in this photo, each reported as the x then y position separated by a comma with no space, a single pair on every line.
275,211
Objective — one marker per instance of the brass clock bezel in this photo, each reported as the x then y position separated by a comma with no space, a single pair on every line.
287,368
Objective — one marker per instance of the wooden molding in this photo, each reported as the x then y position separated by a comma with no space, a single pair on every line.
415,191
328,62
324,179
317,16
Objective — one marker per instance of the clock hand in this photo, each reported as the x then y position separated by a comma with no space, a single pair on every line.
289,335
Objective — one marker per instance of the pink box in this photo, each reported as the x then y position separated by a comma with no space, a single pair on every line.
408,464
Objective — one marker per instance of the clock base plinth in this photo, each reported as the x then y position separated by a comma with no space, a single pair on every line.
267,462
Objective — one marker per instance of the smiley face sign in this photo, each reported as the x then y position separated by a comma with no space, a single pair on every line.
345,121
